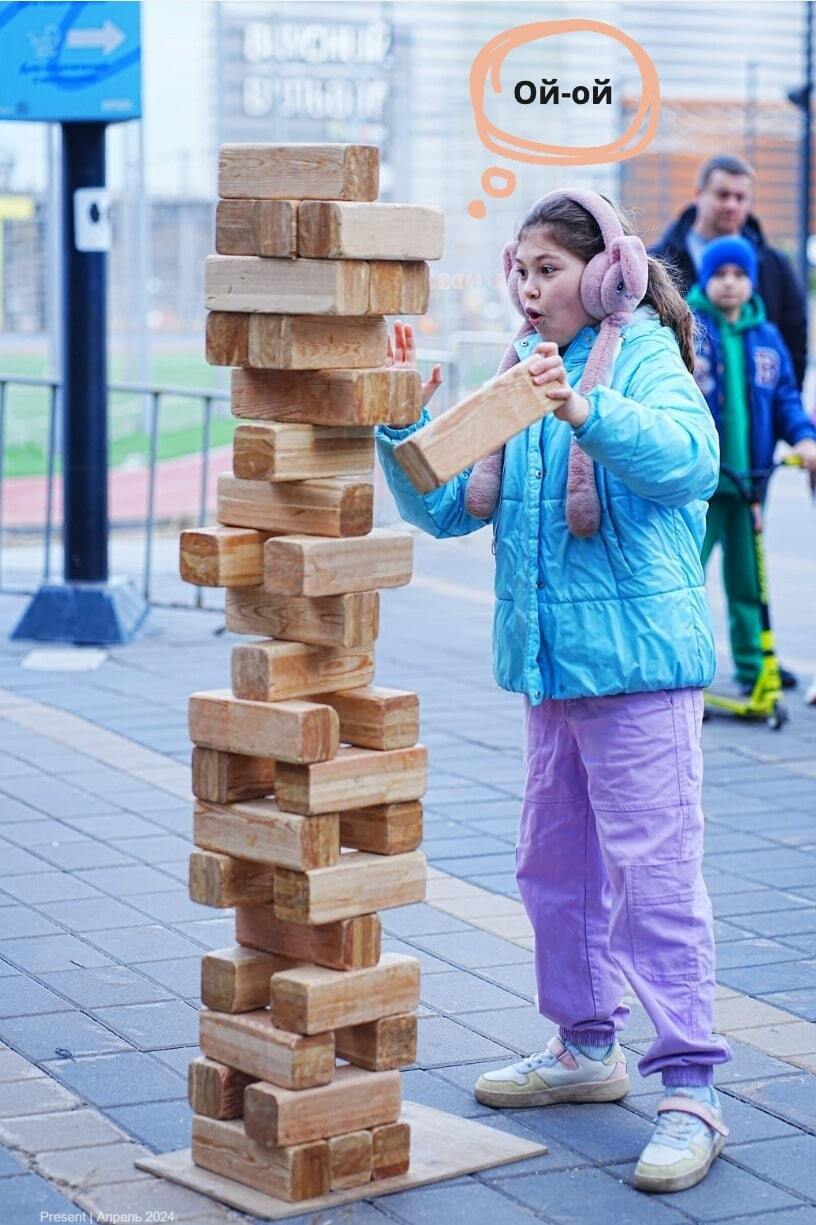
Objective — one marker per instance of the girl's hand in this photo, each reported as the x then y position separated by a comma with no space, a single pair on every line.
548,370
403,353
806,450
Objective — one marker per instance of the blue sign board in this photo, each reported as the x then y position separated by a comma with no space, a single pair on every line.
70,62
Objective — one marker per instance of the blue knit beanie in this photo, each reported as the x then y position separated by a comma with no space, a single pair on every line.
732,250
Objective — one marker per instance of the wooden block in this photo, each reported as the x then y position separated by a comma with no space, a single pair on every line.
387,396
270,671
293,1174
257,830
252,1044
224,777
298,172
215,1090
351,621
391,1150
291,287
306,565
283,451
474,427
314,342
349,944
222,880
328,229
351,1159
338,506
355,778
314,1000
221,556
289,731
237,979
382,1045
226,339
398,289
355,1098
376,718
359,884
383,829
258,227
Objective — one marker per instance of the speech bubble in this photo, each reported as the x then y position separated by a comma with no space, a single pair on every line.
499,182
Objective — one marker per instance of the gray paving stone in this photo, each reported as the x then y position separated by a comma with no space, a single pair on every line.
116,1080
98,987
755,902
132,879
20,921
522,1028
87,915
62,801
431,1090
27,1196
470,844
22,996
800,1002
10,1163
158,848
599,1198
14,861
460,992
179,1058
790,1161
792,1098
427,963
725,1188
761,980
181,976
113,825
36,833
466,1203
153,1026
443,1040
473,949
784,922
172,906
136,944
38,1037
34,1096
519,979
481,865
47,886
211,933
80,853
557,1157
62,952
602,1133
753,951
163,1126
420,919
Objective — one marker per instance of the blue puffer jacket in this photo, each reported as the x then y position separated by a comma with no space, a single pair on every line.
624,611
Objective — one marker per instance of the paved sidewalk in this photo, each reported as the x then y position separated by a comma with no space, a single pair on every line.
100,946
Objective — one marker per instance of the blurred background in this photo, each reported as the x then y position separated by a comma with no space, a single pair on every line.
734,79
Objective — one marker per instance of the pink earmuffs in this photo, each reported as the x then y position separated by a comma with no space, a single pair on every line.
612,286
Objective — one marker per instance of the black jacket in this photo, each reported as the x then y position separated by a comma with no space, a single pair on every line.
778,286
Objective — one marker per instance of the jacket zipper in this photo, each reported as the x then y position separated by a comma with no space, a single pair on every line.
498,505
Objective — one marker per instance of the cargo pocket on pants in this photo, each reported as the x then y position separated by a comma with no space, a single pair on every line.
662,906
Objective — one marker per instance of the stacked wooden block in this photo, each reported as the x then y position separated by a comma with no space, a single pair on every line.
308,776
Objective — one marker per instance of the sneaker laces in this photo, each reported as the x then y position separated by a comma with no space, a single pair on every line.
542,1059
675,1128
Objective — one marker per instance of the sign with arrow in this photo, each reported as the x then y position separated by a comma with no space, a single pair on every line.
70,62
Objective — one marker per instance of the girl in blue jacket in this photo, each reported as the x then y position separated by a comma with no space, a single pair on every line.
601,623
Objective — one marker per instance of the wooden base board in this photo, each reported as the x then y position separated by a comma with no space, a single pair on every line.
442,1146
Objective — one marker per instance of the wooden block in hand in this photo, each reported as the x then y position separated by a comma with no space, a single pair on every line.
298,172
223,880
391,1150
257,830
288,731
296,342
390,395
237,979
355,1098
351,1159
290,287
257,227
358,884
215,1090
222,778
380,1046
300,1172
355,778
473,428
398,288
376,718
251,1043
330,229
221,556
314,1000
383,829
349,622
337,506
271,671
307,565
283,451
348,944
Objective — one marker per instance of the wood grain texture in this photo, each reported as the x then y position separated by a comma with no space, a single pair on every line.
308,566
298,172
350,621
258,831
297,1173
398,288
359,883
223,777
355,1099
355,778
385,396
315,342
251,1043
270,671
283,451
334,507
383,829
349,944
257,227
221,556
379,1046
473,428
215,1090
390,1150
314,1000
226,339
350,1159
237,979
224,881
289,731
329,229
288,287
376,718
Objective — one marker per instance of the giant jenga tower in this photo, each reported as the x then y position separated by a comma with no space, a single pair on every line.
308,777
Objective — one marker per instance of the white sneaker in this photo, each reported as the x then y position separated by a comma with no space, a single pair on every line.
561,1073
689,1135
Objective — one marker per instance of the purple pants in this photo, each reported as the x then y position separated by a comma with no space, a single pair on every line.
609,867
